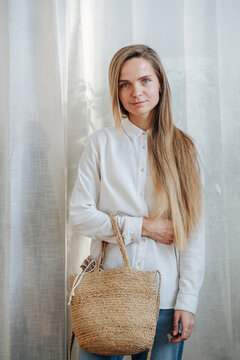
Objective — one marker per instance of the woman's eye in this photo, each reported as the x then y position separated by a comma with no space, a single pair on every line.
146,80
124,85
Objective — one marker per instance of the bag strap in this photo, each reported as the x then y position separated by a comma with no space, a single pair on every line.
149,353
101,255
121,245
71,345
120,240
158,294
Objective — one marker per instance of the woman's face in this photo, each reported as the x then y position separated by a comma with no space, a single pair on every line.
138,88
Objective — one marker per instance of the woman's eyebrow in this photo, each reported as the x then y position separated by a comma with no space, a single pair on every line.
142,77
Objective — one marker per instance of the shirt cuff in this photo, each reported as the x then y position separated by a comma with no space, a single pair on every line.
186,302
132,230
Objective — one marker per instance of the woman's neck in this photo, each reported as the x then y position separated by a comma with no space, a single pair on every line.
141,121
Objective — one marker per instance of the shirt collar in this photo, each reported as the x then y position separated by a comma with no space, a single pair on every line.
132,130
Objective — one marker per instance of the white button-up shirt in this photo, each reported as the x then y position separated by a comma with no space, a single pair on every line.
113,176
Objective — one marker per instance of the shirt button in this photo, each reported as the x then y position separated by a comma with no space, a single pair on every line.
142,169
143,146
139,263
141,193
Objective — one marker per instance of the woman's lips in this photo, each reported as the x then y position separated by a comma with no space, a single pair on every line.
138,103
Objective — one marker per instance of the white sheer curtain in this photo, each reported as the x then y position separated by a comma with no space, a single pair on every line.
53,94
198,42
32,159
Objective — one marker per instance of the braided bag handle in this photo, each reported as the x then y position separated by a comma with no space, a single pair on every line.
121,245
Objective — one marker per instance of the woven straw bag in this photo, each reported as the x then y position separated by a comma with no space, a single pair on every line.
114,312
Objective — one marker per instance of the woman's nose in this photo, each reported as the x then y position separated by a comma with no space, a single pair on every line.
136,90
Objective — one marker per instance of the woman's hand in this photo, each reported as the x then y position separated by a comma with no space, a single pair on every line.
186,318
159,229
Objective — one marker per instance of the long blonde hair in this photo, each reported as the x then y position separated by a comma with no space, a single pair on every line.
173,156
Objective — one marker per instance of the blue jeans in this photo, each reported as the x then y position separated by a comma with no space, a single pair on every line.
162,348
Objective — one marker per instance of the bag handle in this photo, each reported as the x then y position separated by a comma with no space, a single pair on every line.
120,244
70,346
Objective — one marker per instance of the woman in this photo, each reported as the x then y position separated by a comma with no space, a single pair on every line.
145,171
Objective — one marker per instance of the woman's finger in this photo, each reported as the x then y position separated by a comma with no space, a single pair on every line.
184,336
176,324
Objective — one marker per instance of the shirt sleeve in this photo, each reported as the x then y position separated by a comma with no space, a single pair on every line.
192,265
84,217
191,272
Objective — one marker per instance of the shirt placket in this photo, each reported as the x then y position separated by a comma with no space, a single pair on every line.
141,184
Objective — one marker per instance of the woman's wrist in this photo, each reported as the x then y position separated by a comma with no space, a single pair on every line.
145,226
